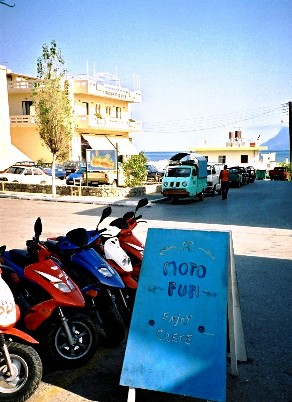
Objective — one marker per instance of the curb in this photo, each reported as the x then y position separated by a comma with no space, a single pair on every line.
82,200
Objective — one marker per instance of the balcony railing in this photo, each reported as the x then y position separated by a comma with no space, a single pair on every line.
110,124
86,122
84,86
16,86
22,120
106,91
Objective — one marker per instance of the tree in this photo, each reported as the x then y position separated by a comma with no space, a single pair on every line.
135,170
53,109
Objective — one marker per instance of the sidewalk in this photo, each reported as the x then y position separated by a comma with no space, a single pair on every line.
120,201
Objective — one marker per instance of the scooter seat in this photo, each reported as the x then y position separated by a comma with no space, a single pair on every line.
21,257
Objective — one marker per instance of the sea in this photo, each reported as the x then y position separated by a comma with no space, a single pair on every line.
161,159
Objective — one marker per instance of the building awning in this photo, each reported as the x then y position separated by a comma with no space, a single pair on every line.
102,143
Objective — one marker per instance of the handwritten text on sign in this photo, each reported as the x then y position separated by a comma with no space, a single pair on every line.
177,338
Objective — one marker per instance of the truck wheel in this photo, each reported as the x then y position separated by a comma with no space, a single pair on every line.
201,196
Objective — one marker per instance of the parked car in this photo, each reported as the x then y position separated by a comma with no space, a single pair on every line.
235,176
73,166
279,173
25,174
213,179
245,175
153,174
75,175
252,173
60,172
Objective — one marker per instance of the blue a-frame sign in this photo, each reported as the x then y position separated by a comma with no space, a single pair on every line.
178,333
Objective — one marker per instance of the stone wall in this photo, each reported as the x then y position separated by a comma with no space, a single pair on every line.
99,191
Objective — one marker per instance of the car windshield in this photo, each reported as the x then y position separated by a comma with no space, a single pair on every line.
15,170
69,163
178,172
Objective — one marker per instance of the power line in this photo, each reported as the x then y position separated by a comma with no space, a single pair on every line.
212,122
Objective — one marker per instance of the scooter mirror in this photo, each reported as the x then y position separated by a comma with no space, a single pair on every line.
142,203
38,227
105,213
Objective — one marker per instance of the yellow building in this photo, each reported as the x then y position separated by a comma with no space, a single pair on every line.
102,116
237,152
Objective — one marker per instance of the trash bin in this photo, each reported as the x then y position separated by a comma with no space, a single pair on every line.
261,174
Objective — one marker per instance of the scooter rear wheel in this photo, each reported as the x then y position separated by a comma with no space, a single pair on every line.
86,336
27,375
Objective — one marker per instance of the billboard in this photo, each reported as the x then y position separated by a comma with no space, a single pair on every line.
101,159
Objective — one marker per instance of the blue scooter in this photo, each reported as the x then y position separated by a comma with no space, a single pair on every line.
97,280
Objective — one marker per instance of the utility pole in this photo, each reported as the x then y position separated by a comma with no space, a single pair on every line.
290,133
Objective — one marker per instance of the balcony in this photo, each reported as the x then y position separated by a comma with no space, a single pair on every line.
83,86
20,86
107,124
91,123
22,121
90,87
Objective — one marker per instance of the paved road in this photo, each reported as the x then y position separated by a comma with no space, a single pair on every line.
260,219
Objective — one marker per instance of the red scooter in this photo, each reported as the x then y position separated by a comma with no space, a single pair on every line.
20,365
128,241
51,303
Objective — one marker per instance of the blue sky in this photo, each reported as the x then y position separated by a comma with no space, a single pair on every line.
205,67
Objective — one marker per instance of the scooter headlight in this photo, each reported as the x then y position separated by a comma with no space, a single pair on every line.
184,183
126,261
62,287
105,272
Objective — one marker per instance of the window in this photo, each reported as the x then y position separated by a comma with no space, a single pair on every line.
108,110
86,108
97,109
222,159
118,112
178,172
244,158
26,107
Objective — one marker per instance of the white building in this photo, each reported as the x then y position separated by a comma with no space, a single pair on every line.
237,152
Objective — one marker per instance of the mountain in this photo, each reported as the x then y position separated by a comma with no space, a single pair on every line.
280,141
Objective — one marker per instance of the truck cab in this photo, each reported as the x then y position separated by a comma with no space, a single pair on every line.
185,176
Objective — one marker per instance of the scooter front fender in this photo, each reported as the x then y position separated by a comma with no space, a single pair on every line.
89,260
20,334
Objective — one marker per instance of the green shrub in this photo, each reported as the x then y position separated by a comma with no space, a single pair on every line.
135,170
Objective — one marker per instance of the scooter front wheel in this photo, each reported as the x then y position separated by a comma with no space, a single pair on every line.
113,325
86,337
27,373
